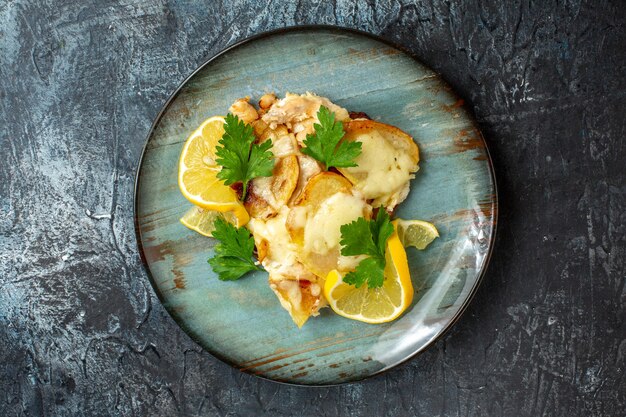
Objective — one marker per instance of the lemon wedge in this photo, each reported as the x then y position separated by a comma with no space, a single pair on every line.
201,220
374,305
197,172
416,233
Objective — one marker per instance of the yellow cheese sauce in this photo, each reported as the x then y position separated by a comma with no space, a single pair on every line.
281,261
263,187
282,253
385,169
322,231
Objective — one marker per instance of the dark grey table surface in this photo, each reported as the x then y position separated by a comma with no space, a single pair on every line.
81,331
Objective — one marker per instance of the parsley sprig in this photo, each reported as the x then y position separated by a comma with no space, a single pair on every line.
326,145
367,237
233,254
242,159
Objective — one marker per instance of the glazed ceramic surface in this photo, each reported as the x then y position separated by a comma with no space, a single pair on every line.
242,322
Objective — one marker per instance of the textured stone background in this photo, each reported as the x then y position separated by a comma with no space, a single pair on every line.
81,332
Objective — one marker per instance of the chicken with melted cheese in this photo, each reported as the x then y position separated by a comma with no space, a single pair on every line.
296,214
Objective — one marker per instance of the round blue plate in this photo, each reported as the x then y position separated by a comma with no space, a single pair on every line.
242,322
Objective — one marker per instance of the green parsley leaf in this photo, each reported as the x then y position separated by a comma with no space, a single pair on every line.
356,238
233,254
242,159
369,271
229,268
367,237
382,229
326,145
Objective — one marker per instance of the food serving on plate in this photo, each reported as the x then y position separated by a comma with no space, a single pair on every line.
305,190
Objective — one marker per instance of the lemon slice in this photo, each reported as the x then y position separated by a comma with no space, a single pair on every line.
201,220
374,305
416,233
197,172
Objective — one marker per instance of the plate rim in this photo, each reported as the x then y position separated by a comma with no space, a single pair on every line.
494,201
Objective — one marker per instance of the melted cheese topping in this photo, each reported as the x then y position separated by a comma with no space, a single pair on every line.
298,216
282,253
281,260
386,170
322,231
292,294
349,263
263,188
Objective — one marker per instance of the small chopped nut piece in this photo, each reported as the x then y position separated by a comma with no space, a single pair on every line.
266,101
244,110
